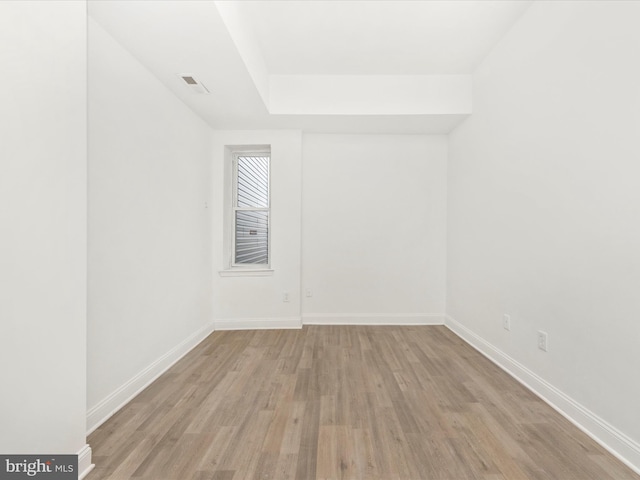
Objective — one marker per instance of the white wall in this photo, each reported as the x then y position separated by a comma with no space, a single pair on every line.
370,94
42,227
149,230
543,209
374,225
241,301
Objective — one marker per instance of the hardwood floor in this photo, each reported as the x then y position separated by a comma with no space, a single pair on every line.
342,402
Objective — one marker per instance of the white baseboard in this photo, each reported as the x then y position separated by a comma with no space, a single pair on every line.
84,462
373,319
258,323
101,412
616,442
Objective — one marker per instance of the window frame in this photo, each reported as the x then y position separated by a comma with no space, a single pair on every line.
234,208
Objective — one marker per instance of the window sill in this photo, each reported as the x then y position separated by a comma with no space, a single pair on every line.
242,272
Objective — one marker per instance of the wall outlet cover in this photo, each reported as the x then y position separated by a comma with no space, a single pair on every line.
543,341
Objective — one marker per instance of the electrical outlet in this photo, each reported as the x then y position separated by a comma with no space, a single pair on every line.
308,292
285,297
543,340
506,321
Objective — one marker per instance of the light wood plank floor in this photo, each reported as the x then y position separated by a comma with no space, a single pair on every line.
343,402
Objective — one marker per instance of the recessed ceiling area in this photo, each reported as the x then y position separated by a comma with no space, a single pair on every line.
394,37
319,66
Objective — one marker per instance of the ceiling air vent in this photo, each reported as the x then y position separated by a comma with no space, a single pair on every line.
193,83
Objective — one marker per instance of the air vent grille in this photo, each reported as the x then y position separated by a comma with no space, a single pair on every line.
195,85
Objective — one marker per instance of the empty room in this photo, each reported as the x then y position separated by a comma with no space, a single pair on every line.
304,239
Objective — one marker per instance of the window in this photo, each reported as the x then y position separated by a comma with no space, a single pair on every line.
251,212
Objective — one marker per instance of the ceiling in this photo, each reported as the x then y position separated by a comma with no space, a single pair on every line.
267,63
378,37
